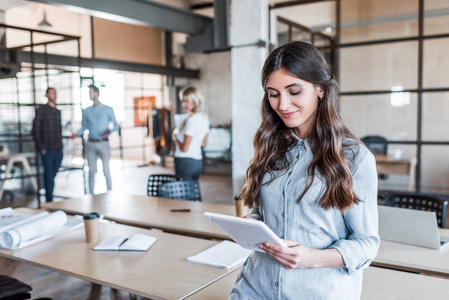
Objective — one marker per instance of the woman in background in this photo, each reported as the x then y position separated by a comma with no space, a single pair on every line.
312,182
190,134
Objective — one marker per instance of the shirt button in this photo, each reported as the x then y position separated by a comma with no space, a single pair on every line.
282,237
289,173
297,156
276,283
283,193
282,214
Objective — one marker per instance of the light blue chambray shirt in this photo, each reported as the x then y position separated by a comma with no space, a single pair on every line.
96,119
353,233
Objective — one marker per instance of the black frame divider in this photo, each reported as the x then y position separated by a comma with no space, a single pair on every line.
419,90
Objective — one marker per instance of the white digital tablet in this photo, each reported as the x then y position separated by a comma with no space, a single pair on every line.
247,233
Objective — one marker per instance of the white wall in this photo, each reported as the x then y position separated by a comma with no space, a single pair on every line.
63,21
214,83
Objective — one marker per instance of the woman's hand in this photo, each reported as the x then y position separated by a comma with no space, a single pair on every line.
297,256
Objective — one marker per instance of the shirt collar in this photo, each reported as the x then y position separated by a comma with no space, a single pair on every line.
301,142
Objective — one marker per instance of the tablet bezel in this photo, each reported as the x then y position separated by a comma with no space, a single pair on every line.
239,230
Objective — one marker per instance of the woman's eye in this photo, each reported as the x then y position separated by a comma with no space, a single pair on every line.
295,93
273,95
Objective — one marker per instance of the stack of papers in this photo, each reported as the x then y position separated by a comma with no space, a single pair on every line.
18,230
224,255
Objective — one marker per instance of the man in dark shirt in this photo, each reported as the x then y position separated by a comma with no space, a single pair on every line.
47,134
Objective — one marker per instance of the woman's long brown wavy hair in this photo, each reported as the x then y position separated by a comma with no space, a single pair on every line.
273,139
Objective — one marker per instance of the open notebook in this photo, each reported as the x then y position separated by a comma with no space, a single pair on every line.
226,254
137,242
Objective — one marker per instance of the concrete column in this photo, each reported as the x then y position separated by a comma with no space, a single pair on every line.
249,25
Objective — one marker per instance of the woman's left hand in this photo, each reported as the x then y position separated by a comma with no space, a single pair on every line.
294,256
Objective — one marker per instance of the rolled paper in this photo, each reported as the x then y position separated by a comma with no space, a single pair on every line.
33,229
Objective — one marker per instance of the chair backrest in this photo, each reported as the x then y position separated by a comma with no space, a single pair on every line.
12,288
376,144
420,202
184,190
155,180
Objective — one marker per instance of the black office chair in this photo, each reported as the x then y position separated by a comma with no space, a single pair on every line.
377,145
184,190
155,180
419,202
13,289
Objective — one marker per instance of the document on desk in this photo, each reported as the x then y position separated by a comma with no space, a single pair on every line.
37,228
224,255
137,242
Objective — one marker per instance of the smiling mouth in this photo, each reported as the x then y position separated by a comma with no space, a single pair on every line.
289,114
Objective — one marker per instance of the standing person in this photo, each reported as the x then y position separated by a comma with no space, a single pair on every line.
47,135
312,182
97,119
190,135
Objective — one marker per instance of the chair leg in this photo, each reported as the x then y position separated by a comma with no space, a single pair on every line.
8,266
95,291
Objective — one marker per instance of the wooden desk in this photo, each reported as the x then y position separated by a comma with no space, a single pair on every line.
162,272
149,212
16,158
386,164
412,258
378,283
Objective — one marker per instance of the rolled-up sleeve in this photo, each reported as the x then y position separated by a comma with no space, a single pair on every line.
362,243
255,213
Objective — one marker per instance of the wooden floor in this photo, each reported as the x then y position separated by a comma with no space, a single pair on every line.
216,187
127,177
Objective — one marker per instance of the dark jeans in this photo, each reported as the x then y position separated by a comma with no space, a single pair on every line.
188,168
51,161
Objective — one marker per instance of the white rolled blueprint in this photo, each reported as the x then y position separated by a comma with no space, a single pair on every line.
14,237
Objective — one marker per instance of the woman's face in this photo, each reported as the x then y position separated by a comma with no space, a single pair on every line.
294,100
187,106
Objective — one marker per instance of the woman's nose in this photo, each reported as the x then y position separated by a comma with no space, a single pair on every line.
284,102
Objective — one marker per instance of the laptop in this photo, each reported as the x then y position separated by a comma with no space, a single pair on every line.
410,226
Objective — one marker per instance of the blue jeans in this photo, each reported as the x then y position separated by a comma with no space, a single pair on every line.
51,161
188,168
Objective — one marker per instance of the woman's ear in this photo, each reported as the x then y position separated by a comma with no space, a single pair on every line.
319,91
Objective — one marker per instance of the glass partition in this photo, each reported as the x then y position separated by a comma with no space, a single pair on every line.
436,17
364,20
436,63
379,67
435,175
435,121
398,171
375,115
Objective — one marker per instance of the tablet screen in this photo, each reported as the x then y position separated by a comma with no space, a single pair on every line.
247,233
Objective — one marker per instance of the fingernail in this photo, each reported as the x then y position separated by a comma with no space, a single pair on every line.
260,246
267,245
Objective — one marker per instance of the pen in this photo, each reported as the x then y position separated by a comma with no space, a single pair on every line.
180,210
124,241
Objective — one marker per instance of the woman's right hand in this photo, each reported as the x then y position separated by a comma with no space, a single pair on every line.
251,218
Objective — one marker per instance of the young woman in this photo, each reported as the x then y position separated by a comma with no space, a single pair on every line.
312,182
190,135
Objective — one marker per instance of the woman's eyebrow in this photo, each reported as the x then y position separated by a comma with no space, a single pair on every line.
270,88
294,84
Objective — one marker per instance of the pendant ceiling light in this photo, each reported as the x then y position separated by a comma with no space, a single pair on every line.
44,22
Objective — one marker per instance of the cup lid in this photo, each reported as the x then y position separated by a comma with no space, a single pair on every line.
91,216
